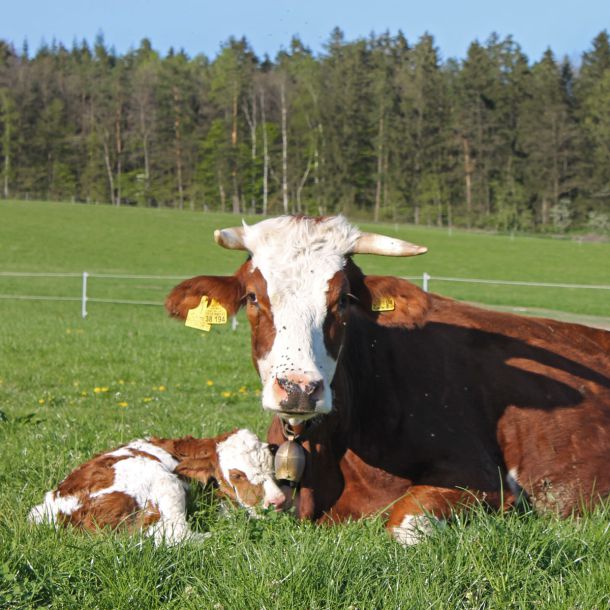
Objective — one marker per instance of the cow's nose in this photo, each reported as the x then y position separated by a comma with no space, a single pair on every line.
301,395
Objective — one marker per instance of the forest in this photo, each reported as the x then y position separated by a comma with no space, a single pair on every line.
379,128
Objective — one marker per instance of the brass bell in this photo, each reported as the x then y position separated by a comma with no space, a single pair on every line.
289,462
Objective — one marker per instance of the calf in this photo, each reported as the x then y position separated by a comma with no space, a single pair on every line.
142,485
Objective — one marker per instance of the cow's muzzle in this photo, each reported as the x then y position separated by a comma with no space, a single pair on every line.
300,397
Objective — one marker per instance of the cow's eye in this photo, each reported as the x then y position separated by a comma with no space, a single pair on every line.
343,301
236,476
251,297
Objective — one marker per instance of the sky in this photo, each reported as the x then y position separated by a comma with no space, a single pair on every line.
201,26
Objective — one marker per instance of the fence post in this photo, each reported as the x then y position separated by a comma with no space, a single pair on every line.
425,279
84,297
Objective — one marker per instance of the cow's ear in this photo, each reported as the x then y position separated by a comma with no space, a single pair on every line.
198,469
227,290
390,301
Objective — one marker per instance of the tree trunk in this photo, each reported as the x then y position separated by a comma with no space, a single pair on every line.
119,150
178,146
302,184
379,170
235,197
265,155
284,149
108,165
145,150
252,124
468,170
223,195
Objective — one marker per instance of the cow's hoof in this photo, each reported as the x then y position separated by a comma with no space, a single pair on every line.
413,529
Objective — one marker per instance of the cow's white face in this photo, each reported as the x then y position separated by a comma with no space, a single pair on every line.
296,291
296,281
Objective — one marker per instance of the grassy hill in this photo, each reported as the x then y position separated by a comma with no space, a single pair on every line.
70,387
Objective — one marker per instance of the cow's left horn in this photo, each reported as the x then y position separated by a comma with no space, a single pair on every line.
232,239
373,243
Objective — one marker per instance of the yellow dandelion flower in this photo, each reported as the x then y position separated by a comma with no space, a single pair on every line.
84,393
99,389
147,399
226,394
209,382
162,388
41,401
121,382
243,390
123,404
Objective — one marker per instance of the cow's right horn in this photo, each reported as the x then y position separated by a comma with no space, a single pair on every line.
232,238
373,243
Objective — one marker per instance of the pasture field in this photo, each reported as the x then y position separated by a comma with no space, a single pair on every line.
71,387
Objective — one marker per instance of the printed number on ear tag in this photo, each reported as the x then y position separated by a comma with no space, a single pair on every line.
383,304
205,314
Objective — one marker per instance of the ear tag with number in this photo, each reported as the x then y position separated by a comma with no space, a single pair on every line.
205,314
383,304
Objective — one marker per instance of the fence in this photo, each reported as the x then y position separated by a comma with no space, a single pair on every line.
85,276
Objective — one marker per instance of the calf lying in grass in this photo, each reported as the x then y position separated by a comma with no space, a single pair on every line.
142,485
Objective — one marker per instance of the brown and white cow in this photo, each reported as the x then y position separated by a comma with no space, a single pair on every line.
142,485
421,401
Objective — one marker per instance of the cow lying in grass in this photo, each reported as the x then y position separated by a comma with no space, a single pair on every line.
406,399
142,485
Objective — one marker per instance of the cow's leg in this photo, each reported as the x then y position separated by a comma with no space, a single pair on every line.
412,516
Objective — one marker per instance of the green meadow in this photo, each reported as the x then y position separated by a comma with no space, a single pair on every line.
71,387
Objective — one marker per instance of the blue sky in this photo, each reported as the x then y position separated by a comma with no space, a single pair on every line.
201,26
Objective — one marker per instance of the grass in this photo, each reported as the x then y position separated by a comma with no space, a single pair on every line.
70,387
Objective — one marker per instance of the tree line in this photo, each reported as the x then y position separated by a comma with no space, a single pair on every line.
376,127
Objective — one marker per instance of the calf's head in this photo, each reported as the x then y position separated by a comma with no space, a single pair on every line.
240,464
297,291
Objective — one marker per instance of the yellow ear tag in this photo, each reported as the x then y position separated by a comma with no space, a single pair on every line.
204,315
383,304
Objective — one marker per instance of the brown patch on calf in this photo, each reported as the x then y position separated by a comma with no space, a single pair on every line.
94,475
109,510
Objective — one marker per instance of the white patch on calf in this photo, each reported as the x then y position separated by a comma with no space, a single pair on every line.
52,505
298,257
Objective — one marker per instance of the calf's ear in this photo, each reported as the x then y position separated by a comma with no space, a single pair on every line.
199,469
227,290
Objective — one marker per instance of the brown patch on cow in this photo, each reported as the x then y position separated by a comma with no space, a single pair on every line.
94,475
337,312
443,502
259,315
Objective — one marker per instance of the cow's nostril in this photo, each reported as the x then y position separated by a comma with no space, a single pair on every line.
314,388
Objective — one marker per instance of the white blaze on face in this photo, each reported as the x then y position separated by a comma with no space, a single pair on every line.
244,451
298,257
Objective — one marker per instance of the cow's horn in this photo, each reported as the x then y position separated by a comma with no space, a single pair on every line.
232,239
373,243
